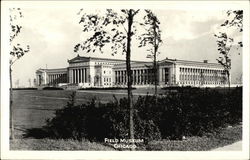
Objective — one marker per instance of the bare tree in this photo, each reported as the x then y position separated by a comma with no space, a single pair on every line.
224,44
116,29
152,39
16,52
235,19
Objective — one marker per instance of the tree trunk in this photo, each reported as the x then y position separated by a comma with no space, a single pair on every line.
12,136
228,79
155,64
129,75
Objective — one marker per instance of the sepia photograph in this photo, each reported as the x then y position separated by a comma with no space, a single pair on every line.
125,79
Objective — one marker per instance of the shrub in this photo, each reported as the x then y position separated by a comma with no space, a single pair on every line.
52,88
96,121
28,88
188,112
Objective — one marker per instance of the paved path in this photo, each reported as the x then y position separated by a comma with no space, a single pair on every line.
237,146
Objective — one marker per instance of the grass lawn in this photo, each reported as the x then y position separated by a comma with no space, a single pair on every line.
33,107
225,137
52,144
222,138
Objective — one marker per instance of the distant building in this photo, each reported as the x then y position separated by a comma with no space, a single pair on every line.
103,72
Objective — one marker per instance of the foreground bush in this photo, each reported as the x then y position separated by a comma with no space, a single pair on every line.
96,121
28,88
189,112
52,88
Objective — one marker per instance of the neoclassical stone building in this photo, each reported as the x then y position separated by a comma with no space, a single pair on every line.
103,72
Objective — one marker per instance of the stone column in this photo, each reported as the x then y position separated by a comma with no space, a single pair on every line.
71,76
139,76
136,77
133,77
82,75
115,81
85,75
142,77
121,77
124,77
76,76
55,79
79,73
59,78
145,76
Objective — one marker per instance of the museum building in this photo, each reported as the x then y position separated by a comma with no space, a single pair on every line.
104,72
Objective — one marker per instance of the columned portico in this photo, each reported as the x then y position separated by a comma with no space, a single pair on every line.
101,72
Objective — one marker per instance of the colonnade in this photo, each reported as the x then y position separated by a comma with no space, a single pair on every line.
201,76
57,78
78,75
139,76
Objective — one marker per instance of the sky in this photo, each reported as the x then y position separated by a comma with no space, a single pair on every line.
53,32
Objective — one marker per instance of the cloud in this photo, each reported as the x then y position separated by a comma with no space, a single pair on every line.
187,25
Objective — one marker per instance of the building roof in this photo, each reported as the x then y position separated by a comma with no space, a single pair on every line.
79,58
52,70
178,61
